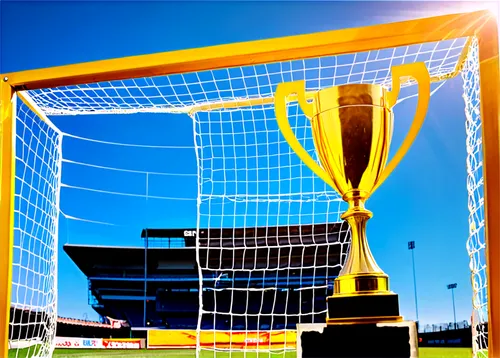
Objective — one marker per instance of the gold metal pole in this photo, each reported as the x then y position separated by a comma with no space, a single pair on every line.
7,167
490,117
327,43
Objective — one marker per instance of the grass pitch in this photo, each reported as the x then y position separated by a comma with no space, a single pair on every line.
189,353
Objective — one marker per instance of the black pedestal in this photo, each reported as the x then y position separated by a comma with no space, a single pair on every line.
376,340
366,306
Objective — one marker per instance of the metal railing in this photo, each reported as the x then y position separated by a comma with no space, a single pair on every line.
440,327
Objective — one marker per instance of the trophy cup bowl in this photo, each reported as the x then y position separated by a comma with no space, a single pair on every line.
352,129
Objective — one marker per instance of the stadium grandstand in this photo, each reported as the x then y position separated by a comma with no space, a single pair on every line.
28,327
157,285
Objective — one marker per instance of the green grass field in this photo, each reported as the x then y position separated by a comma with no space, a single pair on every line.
186,353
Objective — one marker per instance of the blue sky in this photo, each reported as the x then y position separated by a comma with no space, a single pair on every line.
428,186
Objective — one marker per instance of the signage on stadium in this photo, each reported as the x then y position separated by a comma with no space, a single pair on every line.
85,343
189,233
117,343
99,343
167,338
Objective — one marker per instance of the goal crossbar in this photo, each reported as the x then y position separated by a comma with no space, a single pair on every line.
327,43
481,25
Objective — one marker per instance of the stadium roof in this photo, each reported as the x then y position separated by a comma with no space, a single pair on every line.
111,261
252,248
252,236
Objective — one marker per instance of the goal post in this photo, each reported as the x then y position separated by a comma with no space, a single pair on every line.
490,96
7,167
480,26
31,179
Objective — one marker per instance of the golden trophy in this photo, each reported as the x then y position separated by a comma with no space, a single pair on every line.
352,130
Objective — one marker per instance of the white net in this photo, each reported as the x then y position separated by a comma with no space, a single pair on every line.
251,181
273,243
269,238
33,311
475,184
242,86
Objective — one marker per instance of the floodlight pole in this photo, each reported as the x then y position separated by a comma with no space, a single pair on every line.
146,244
411,247
452,288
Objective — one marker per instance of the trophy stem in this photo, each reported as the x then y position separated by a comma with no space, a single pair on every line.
360,274
361,291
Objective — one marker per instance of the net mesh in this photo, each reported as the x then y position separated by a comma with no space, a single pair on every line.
250,178
475,186
274,269
207,90
269,238
33,312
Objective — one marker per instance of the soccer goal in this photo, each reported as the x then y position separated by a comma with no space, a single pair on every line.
247,175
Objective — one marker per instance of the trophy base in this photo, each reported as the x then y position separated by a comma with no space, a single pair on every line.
363,308
371,340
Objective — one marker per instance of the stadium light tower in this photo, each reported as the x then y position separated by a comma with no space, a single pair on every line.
452,288
411,247
145,306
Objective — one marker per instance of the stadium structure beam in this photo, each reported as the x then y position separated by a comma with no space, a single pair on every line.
481,24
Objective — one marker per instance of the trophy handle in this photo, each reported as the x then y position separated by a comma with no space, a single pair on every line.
420,73
298,88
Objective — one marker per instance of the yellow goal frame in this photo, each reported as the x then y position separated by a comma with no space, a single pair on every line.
481,24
